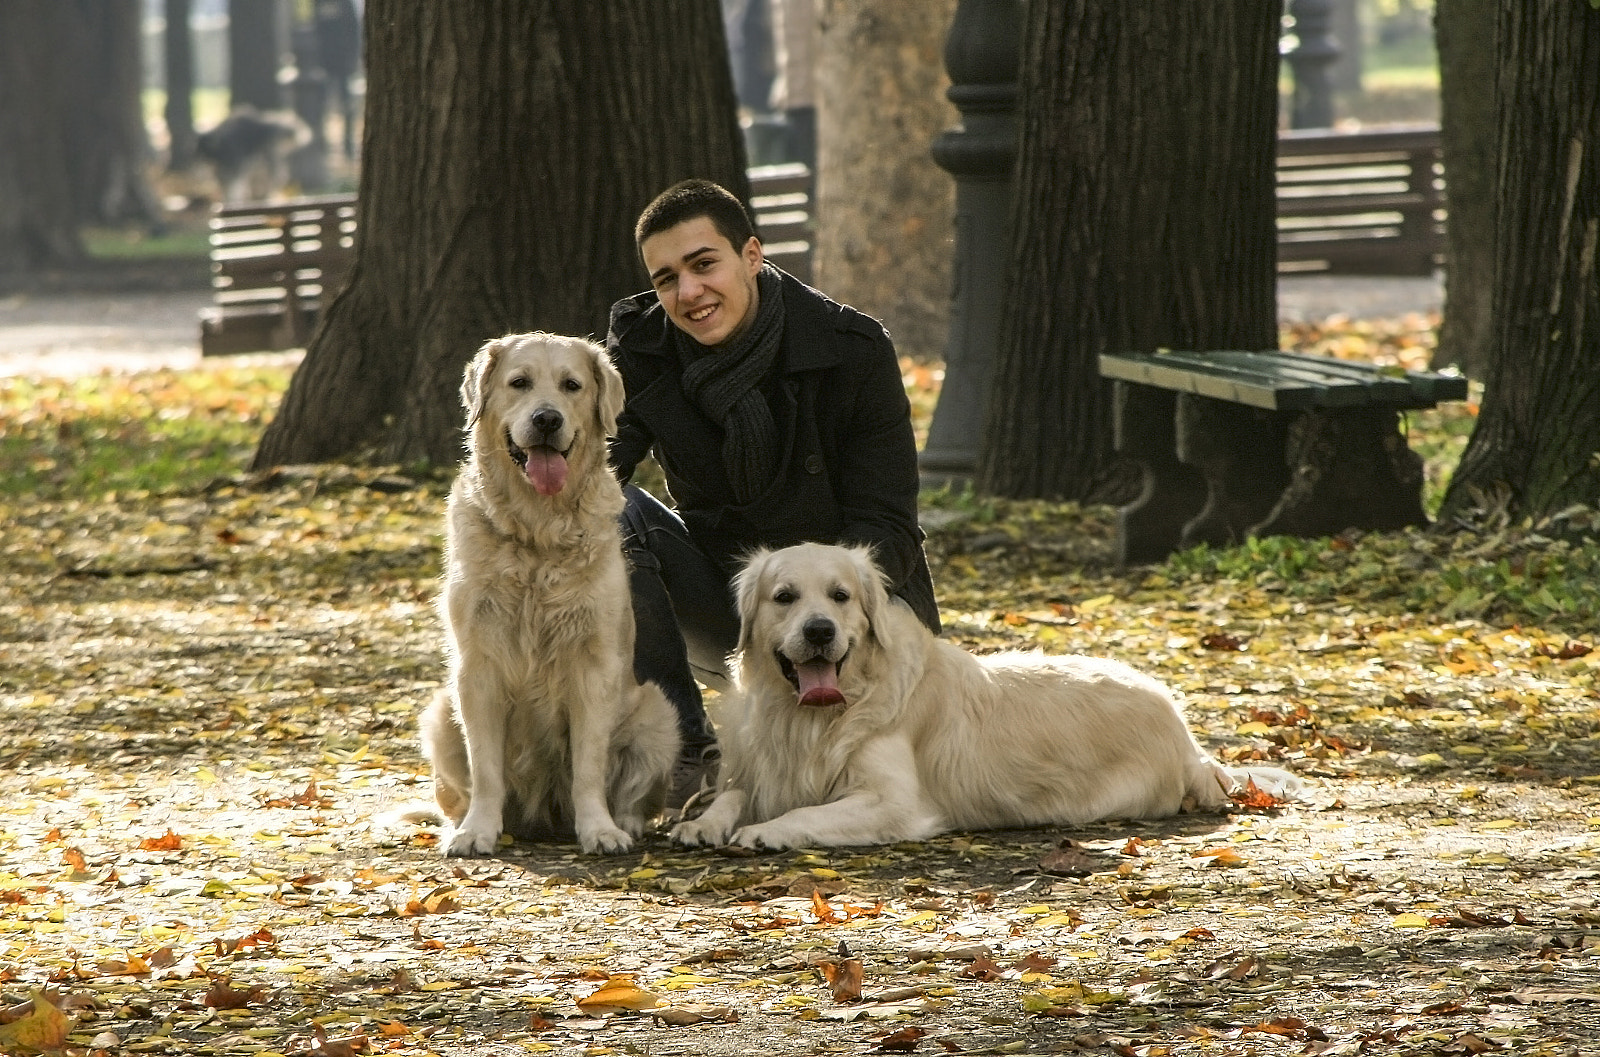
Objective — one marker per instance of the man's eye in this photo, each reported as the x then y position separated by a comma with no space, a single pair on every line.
785,597
519,382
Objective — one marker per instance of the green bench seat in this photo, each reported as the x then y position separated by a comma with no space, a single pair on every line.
1234,444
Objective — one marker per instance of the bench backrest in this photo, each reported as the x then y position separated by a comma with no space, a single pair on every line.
1362,203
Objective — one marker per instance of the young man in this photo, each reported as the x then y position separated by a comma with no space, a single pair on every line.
777,416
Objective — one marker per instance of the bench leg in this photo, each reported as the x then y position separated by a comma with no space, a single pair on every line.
1241,451
1351,469
1148,529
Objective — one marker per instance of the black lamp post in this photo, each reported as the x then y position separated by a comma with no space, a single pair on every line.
1312,58
982,57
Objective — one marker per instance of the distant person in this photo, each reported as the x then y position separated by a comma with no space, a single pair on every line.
777,416
338,32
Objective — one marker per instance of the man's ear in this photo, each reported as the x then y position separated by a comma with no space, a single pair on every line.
754,256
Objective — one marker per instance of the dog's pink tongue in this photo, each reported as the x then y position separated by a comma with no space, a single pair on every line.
819,683
547,470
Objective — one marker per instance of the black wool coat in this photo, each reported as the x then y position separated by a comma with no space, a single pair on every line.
848,467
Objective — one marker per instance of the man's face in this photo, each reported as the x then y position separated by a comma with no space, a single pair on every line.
707,287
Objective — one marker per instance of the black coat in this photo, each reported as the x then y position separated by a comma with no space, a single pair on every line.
848,469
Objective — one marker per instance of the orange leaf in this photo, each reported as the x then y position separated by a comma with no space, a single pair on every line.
618,992
168,841
74,858
845,977
1226,855
223,995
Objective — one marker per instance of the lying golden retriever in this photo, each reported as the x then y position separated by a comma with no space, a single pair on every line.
859,726
543,730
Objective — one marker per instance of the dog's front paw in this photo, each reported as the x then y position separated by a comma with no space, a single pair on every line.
765,837
701,833
605,840
468,843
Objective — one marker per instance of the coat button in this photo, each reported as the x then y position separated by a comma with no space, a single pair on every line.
813,464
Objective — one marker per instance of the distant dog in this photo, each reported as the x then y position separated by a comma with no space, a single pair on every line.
543,730
249,151
859,726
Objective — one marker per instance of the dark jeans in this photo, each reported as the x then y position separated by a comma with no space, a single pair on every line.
684,618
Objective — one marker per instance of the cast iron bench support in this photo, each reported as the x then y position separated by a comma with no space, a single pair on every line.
1241,444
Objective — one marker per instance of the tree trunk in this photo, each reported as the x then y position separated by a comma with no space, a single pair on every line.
178,53
109,149
257,43
38,216
1535,445
1466,35
511,145
1144,218
885,210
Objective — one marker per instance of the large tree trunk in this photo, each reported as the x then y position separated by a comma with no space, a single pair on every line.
1144,218
109,147
885,210
38,217
510,147
1538,432
1466,35
178,53
257,42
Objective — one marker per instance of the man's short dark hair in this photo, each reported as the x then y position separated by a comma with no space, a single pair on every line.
691,200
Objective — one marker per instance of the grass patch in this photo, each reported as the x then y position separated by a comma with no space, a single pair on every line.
160,432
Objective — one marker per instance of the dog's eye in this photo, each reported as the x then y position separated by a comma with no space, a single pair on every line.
784,597
840,595
519,382
572,385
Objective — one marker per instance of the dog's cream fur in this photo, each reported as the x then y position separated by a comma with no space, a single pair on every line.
543,730
923,737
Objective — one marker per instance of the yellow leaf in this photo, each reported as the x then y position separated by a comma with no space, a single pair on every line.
1409,921
1098,602
1254,727
1501,823
43,1029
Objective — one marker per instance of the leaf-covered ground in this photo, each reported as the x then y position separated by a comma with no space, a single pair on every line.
209,685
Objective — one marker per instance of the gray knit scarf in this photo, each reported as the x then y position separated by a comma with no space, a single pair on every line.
725,384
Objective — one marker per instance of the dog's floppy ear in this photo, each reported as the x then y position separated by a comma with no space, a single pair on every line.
606,376
874,595
747,593
475,379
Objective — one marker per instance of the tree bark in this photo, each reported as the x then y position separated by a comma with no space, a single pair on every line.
1466,36
178,53
511,145
109,149
38,216
257,43
1144,218
1536,447
885,210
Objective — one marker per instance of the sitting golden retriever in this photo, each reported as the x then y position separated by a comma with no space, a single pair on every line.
543,730
859,726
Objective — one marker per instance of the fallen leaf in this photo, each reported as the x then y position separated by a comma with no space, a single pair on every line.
618,992
42,1027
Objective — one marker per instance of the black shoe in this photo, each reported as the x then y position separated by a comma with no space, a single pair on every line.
693,776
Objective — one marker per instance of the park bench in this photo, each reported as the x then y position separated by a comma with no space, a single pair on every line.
1240,444
275,265
1360,203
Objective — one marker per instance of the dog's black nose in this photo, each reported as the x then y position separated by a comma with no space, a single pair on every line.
819,632
547,420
